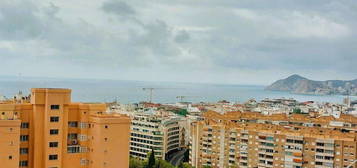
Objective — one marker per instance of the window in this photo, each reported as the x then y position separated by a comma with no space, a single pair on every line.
52,157
329,158
73,124
269,150
25,125
72,136
319,163
24,151
83,149
23,163
54,119
319,150
84,162
73,149
319,157
53,131
82,137
53,144
55,107
83,125
24,138
320,144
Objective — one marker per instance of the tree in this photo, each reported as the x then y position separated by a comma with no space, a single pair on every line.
136,163
297,111
163,164
151,161
181,166
186,157
185,165
182,112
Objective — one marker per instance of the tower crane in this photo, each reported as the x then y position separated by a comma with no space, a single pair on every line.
150,93
151,90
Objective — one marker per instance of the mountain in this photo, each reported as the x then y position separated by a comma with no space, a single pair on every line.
301,85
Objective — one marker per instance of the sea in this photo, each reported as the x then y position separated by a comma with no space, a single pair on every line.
91,90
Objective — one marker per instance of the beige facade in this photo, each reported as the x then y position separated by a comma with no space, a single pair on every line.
220,142
152,131
56,133
9,142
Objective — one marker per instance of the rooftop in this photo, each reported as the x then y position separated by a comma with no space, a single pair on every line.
280,117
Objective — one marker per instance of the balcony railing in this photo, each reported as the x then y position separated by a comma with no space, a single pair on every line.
77,149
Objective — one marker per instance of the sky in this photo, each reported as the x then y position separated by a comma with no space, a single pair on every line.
210,41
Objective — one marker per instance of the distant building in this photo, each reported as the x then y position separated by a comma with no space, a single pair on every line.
347,101
47,130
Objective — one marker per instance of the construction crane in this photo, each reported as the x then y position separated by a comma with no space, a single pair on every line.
183,97
151,90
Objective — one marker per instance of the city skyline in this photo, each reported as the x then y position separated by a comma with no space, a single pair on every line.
178,84
182,41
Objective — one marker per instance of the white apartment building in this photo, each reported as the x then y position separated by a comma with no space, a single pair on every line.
155,130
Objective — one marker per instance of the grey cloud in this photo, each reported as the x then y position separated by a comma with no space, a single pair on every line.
156,40
52,10
209,36
118,7
268,44
18,21
182,37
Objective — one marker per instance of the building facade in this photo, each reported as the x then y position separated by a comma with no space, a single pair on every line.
160,132
223,141
50,131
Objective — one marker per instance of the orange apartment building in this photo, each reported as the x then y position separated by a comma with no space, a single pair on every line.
236,140
50,131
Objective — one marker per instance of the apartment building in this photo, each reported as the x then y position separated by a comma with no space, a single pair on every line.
158,131
50,131
344,121
9,141
221,143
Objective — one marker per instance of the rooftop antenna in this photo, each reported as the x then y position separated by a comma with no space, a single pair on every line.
347,99
20,80
116,99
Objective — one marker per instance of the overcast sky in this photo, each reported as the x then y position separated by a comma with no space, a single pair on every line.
211,41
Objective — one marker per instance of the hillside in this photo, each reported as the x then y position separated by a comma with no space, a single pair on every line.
301,85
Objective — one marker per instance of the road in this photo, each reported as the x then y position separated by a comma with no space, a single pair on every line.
178,157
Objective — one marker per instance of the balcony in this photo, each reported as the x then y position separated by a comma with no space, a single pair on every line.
297,160
297,154
265,147
73,149
265,165
244,137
